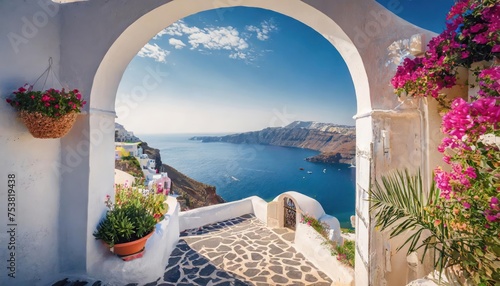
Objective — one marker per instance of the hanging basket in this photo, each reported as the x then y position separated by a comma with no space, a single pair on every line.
42,126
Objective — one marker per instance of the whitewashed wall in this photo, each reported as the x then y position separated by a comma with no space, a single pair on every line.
306,204
215,213
30,34
123,178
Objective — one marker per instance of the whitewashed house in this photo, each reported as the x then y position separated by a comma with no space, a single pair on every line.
133,148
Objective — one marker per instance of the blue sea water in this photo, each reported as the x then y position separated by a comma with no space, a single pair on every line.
242,170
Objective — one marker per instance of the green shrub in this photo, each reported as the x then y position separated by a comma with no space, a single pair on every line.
133,216
124,224
345,253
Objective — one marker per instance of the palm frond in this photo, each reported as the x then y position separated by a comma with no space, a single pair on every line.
400,204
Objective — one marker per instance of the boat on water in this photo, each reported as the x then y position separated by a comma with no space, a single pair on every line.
309,172
324,170
302,169
234,178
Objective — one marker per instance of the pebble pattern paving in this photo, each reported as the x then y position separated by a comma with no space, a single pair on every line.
236,252
239,251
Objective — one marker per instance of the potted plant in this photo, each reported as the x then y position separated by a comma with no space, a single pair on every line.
131,220
47,114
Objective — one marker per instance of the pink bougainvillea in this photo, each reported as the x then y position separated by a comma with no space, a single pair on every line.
472,34
470,185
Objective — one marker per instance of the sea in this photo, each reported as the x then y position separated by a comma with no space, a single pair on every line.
242,170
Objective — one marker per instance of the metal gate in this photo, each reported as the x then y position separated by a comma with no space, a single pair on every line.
290,213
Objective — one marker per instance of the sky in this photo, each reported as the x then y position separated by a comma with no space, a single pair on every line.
244,69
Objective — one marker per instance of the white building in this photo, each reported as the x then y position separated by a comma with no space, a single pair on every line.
133,148
122,135
161,181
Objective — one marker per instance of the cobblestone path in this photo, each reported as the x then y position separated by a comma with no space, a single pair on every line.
240,251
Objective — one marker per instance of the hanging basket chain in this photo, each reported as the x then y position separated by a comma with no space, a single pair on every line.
49,70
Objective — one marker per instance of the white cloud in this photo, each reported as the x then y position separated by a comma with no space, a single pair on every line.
238,55
155,52
178,44
178,28
161,33
189,30
219,38
213,38
266,27
171,30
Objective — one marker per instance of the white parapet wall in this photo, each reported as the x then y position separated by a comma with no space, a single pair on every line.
259,208
220,212
152,265
123,178
312,245
334,228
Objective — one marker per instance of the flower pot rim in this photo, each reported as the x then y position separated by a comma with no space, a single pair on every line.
125,244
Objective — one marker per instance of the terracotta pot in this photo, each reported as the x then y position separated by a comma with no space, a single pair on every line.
128,248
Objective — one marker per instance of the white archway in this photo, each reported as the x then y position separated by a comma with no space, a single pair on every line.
102,45
116,59
136,35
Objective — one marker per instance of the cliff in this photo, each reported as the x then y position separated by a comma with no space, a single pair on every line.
192,194
337,143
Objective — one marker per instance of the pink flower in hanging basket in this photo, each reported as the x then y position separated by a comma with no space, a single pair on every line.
51,102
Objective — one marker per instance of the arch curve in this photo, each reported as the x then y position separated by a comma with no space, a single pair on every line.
135,36
100,39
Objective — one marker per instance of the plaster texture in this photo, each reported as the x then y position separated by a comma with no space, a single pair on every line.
215,213
30,36
259,208
123,177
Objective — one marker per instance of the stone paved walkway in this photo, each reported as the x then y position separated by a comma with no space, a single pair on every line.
240,251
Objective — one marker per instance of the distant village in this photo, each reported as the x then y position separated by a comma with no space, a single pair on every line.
127,145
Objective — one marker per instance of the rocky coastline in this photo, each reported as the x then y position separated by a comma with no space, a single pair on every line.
337,143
